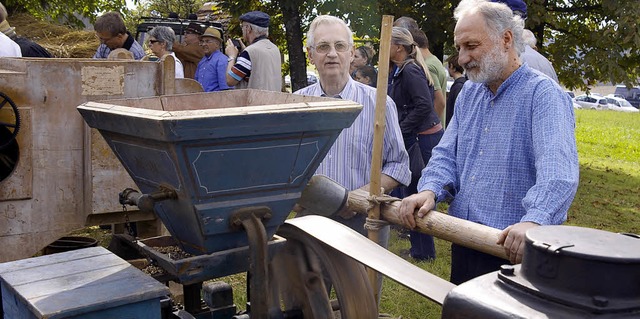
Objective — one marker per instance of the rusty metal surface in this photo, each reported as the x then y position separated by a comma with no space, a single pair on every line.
358,247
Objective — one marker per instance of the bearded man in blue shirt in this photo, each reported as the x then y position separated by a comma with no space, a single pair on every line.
508,159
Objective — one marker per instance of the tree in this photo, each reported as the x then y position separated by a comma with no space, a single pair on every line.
588,41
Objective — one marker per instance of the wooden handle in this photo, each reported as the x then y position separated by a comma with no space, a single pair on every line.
459,231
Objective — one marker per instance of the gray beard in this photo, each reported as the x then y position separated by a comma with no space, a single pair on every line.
490,67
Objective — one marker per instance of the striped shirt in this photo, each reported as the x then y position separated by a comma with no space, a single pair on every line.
242,68
349,159
509,157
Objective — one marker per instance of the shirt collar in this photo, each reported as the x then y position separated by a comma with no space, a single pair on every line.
262,37
513,79
128,43
346,91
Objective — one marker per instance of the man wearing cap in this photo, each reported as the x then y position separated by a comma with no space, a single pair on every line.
113,34
211,71
28,48
190,52
259,65
508,159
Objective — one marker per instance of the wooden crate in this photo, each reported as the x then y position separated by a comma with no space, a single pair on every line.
90,283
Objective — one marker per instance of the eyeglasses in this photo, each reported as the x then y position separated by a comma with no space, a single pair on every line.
103,40
324,47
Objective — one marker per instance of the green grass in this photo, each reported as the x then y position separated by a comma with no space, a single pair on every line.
607,198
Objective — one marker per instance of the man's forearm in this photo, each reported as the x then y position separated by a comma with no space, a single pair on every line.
387,182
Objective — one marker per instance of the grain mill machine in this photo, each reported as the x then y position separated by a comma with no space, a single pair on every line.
223,171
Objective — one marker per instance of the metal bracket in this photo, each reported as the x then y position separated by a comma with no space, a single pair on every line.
245,213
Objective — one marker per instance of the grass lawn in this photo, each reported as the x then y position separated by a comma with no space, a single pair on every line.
607,198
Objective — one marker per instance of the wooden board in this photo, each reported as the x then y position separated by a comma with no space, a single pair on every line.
85,283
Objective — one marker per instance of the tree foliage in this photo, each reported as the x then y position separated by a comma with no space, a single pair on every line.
588,41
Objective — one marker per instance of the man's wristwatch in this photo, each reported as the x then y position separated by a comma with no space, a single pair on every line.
231,58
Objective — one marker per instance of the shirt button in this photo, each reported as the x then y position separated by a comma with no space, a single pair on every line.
473,178
486,129
481,152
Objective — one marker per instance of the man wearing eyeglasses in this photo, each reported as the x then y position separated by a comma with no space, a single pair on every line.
330,48
259,65
190,52
348,162
112,33
211,71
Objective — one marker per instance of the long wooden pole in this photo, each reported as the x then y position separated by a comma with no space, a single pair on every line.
378,132
462,232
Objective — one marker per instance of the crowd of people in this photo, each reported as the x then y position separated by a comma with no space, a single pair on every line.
507,158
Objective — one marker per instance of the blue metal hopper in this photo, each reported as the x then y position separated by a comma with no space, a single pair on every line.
221,153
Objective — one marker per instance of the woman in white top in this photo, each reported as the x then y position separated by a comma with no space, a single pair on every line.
161,41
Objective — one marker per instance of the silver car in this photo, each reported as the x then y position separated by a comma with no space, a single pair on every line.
592,101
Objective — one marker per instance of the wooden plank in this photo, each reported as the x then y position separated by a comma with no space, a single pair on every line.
168,74
72,283
188,86
49,259
79,269
119,217
99,290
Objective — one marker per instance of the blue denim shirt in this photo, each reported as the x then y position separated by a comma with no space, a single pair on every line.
509,157
212,72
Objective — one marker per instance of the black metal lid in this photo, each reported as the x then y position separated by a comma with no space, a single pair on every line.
586,243
589,269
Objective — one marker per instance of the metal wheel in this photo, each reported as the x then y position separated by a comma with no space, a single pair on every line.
297,276
12,127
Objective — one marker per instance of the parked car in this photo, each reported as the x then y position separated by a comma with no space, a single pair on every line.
312,78
592,101
571,94
632,95
621,105
576,105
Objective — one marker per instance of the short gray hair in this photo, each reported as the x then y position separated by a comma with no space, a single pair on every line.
327,20
528,38
164,35
498,17
259,30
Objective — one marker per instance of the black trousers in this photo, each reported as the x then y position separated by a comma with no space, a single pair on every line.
467,263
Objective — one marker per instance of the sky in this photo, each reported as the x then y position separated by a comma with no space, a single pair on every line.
130,4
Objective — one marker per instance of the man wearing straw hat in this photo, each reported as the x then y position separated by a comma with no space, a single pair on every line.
212,69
